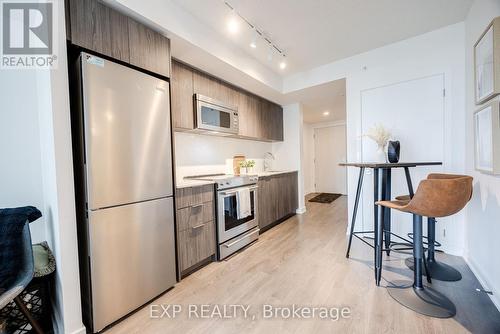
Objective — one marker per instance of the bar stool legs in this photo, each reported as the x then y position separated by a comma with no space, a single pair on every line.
355,211
438,270
416,297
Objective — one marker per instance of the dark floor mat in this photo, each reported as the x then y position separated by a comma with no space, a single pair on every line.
325,198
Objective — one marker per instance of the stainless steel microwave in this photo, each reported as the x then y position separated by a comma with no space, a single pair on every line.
213,115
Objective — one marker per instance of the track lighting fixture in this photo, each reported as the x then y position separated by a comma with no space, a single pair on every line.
233,26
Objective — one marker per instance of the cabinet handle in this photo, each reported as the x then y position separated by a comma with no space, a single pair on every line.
197,226
196,206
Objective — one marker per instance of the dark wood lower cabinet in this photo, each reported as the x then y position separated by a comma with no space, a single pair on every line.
195,216
195,220
196,244
278,198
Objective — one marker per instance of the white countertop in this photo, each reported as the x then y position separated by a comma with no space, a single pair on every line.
263,174
192,183
185,183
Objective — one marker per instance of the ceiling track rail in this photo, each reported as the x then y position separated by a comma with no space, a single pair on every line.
259,31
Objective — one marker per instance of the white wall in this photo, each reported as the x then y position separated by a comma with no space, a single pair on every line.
440,51
289,153
197,154
483,212
308,144
21,166
389,106
58,185
36,168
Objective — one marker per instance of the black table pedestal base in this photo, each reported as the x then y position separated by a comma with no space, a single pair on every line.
426,301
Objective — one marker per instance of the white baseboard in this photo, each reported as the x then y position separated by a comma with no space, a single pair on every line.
81,330
301,210
484,282
453,250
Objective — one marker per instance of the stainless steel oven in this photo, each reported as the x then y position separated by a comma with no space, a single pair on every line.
234,233
231,226
213,115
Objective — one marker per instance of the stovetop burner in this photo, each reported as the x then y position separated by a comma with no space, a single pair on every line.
226,181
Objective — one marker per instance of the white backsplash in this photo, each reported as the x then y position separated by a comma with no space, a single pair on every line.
197,154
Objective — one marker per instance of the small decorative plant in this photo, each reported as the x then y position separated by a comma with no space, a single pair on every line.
380,135
247,165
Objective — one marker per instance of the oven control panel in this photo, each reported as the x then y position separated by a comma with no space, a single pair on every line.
237,181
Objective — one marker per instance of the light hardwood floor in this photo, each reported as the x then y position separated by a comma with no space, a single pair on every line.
302,261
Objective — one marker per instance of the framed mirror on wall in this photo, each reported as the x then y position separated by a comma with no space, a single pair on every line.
487,137
487,63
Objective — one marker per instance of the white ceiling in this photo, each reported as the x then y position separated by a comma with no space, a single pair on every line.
328,97
317,32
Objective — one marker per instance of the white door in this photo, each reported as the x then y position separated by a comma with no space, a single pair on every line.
329,151
414,112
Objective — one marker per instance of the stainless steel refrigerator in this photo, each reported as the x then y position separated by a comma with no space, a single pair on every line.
128,239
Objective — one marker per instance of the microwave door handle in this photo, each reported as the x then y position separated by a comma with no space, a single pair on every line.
226,193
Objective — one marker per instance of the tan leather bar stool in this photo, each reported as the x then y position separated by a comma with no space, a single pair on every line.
437,270
435,197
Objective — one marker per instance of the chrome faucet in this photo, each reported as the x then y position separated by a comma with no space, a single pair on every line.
268,156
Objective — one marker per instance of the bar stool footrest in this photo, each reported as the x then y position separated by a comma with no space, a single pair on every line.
401,248
426,243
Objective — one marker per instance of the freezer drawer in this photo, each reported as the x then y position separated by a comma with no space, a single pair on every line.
132,257
127,134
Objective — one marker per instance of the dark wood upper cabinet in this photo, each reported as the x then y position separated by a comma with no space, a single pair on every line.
181,87
276,133
120,48
248,109
230,95
271,120
90,25
214,88
258,118
204,85
148,49
99,28
265,119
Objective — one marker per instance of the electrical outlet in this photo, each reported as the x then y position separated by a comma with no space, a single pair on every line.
485,291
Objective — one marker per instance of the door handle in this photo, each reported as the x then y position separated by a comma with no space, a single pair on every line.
241,239
225,193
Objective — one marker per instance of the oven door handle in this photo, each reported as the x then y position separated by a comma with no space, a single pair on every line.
225,193
241,239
